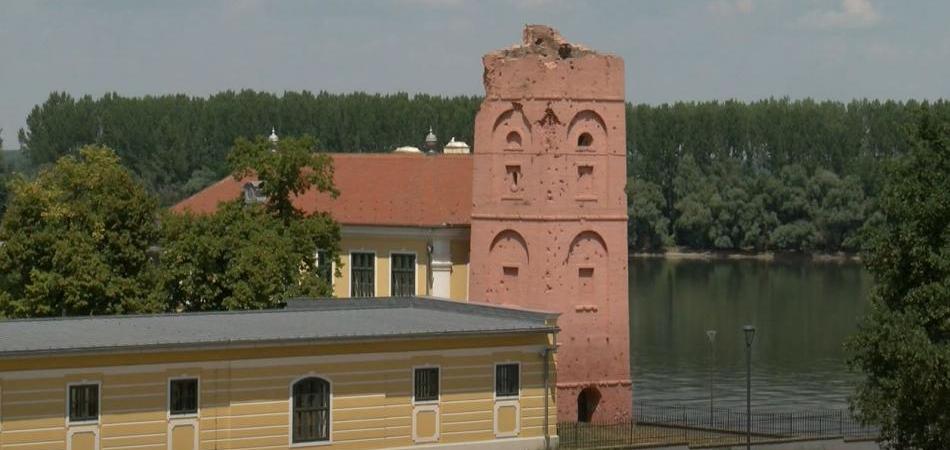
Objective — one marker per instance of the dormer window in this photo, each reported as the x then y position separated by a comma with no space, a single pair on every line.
253,193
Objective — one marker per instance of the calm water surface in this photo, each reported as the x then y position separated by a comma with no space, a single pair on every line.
803,312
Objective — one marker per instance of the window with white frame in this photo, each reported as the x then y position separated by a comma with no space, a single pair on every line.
362,274
426,384
311,410
83,402
403,275
507,380
183,396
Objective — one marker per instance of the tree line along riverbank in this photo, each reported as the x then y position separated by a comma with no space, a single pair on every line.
762,177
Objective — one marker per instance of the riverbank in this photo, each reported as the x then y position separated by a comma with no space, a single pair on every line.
711,255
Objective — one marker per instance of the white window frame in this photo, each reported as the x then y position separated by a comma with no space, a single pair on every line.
375,270
413,377
290,412
507,401
494,379
415,270
168,398
80,423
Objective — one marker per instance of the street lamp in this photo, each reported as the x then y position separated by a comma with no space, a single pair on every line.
711,335
749,331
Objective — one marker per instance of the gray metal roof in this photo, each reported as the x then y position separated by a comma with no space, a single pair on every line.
304,320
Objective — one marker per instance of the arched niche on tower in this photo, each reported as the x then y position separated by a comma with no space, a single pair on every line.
587,265
508,262
587,132
512,131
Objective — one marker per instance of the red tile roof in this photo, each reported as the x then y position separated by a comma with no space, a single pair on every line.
376,189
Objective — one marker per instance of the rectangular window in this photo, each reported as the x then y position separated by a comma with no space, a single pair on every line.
507,380
183,396
83,402
363,274
403,277
324,266
426,384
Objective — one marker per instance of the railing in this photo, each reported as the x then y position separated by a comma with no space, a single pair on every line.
696,425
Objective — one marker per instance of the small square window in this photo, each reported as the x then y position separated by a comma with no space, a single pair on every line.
426,387
507,380
183,396
83,402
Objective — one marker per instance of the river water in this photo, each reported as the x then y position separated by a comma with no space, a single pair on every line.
803,312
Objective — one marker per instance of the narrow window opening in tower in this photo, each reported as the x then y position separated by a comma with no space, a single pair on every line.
513,141
585,179
514,178
585,279
585,140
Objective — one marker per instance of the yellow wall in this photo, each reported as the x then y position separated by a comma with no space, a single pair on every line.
383,246
244,401
460,250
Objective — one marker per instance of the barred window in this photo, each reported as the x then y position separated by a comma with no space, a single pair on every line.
507,380
311,416
83,402
403,275
426,387
183,396
363,274
324,266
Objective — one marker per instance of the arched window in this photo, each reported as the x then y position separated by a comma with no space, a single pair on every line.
311,410
585,140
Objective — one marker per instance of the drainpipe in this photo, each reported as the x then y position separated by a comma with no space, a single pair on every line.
429,248
548,351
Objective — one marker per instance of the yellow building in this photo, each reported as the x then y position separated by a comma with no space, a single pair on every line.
405,221
348,374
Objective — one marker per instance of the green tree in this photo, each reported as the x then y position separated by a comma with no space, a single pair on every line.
285,170
251,255
649,228
903,346
76,240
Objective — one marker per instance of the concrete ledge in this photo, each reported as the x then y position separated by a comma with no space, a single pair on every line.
532,443
800,444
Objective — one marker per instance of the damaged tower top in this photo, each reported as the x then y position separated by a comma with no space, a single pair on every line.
550,60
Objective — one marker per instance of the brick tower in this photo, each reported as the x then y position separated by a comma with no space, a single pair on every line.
549,218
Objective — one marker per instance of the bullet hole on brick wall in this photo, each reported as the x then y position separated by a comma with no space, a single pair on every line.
585,140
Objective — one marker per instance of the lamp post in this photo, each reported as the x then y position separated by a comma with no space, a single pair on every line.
711,335
749,331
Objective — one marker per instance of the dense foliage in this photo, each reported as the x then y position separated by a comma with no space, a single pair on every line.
251,256
178,144
903,347
75,240
775,174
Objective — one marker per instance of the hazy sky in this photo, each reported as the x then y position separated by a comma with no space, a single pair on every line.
674,50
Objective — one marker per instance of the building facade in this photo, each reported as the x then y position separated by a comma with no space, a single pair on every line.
534,216
319,374
549,220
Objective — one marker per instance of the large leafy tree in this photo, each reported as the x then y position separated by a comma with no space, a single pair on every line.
903,346
254,255
76,240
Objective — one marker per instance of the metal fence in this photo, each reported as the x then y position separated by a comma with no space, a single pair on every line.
696,425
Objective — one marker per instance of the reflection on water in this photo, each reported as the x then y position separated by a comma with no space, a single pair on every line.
802,311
